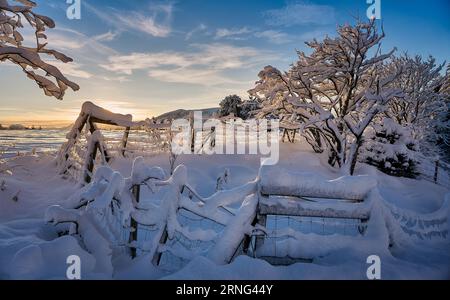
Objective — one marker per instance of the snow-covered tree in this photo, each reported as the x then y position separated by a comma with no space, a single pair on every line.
247,108
271,92
29,58
443,124
230,105
446,86
336,91
391,148
423,108
443,133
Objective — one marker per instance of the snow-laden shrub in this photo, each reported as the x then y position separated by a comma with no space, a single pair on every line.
391,148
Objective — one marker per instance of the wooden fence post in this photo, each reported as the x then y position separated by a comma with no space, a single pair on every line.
163,239
293,136
191,122
82,119
284,135
90,164
212,142
436,172
125,140
262,220
136,191
248,238
93,128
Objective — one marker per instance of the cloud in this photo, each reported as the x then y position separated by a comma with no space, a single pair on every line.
300,14
235,33
79,43
62,42
86,51
199,28
154,20
275,37
126,64
206,77
244,33
115,78
205,66
107,37
71,69
145,24
315,34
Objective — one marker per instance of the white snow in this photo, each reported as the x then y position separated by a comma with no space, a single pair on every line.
228,242
278,181
100,113
395,205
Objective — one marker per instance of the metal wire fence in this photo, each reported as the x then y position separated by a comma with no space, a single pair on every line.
178,251
322,226
281,231
433,170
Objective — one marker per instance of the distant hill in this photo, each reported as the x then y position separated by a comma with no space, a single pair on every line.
184,114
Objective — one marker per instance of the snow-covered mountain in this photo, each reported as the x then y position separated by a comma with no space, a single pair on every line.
183,113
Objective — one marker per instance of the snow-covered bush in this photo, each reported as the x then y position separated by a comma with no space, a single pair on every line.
12,18
336,91
391,148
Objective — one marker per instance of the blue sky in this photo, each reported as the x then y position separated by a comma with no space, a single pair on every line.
148,57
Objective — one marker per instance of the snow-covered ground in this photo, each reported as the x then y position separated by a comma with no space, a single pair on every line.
30,248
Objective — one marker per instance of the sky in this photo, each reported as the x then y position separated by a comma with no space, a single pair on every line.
148,57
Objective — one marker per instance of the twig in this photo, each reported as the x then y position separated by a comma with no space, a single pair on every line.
16,197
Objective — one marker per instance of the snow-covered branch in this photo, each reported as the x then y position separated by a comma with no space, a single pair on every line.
12,19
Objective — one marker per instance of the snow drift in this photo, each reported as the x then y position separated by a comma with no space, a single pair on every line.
282,182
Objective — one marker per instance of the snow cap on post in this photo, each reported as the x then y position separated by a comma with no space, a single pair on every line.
102,114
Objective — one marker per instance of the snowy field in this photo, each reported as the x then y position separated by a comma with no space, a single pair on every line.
24,141
13,142
31,249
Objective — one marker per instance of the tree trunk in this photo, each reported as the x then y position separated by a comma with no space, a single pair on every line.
353,155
